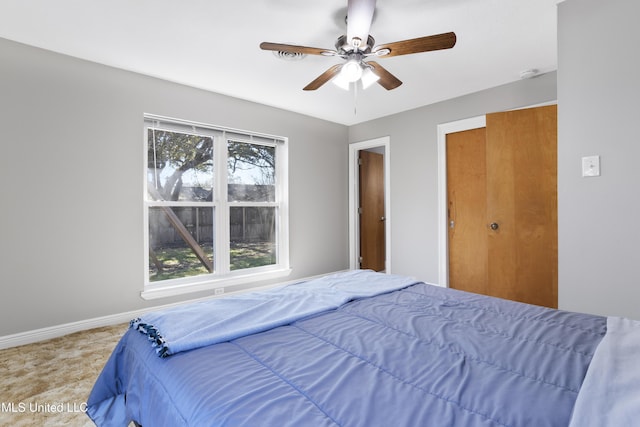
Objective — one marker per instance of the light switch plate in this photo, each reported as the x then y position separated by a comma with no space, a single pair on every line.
591,166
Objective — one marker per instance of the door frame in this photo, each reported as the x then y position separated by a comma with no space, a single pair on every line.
354,218
443,239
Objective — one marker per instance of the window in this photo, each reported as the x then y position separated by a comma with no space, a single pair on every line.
215,207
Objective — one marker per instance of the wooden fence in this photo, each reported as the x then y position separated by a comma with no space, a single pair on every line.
247,225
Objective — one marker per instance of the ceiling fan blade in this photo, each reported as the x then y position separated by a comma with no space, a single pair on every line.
387,80
324,77
291,48
359,18
421,44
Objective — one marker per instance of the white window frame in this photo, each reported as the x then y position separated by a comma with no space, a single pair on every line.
222,279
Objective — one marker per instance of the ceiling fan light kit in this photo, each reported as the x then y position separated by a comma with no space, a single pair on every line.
351,70
352,48
368,77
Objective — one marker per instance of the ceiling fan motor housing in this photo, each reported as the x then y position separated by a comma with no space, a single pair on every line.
344,47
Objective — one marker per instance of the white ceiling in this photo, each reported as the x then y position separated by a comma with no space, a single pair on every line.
213,44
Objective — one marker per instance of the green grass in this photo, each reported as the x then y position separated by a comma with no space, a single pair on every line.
182,262
248,255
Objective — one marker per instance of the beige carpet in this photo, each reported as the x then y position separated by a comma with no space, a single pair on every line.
47,383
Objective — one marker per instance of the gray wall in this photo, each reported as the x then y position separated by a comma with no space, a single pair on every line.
414,167
71,174
598,93
598,218
72,152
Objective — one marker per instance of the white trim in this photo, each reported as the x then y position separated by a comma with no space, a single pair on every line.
222,276
220,284
443,247
36,335
176,122
354,229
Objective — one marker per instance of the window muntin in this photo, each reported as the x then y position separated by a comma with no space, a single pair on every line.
215,204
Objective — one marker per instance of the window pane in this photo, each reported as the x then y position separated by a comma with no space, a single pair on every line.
251,172
180,166
180,242
253,237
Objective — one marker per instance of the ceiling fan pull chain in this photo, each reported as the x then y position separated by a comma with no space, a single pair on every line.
355,98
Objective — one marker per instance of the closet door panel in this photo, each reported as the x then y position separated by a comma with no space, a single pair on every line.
522,205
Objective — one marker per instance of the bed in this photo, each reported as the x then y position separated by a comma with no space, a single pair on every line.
360,348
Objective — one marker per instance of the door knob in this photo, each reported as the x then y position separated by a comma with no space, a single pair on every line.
494,226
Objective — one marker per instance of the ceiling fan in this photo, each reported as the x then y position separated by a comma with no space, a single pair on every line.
357,46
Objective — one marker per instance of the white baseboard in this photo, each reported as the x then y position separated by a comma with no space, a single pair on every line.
36,335
30,337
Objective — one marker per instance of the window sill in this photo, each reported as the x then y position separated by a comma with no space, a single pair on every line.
220,285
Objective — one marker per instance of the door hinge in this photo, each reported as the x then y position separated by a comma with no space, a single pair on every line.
360,211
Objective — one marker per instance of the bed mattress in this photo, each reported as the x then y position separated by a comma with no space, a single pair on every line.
418,356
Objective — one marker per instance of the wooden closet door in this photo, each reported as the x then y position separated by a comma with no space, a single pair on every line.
502,199
467,207
522,205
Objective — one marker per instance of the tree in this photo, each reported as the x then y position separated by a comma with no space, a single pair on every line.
242,155
177,153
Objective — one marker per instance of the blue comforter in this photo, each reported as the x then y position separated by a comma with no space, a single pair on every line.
418,356
208,322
